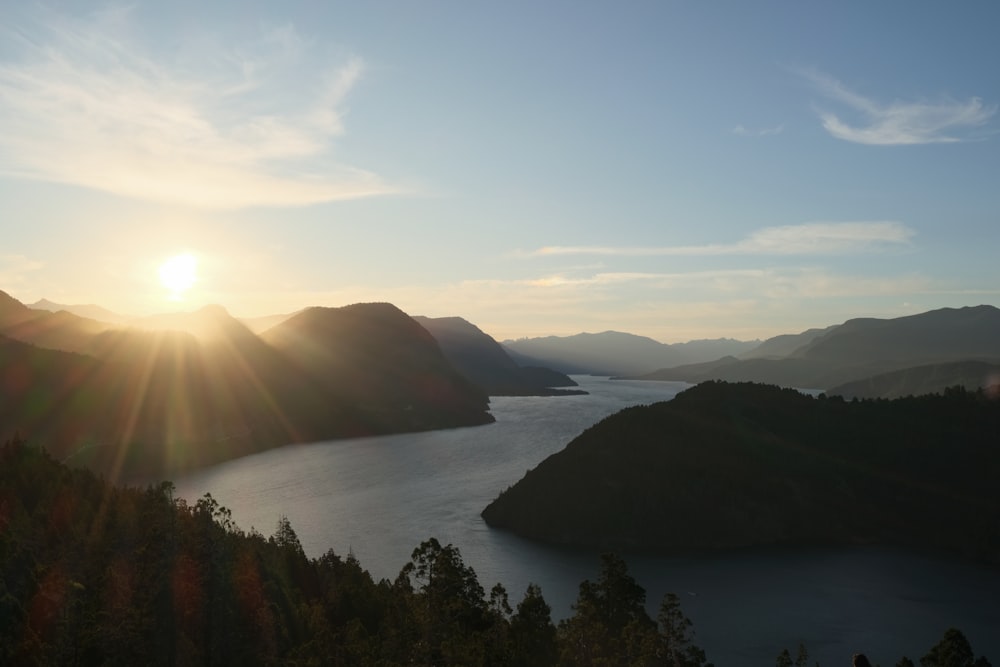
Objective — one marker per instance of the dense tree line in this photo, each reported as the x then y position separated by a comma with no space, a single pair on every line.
95,574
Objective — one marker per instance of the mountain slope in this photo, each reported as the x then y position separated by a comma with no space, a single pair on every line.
13,311
947,334
785,345
862,348
484,362
385,371
89,311
918,380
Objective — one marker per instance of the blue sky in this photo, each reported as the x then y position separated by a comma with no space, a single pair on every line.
673,169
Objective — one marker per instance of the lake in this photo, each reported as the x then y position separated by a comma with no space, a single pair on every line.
378,498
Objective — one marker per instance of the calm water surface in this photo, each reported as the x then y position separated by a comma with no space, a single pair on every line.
380,497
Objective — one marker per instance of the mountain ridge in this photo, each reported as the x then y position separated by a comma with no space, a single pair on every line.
857,349
134,401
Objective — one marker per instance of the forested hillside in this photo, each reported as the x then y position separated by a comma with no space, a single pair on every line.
730,465
92,574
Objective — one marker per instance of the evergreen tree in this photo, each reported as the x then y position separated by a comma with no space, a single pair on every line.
952,651
533,635
676,636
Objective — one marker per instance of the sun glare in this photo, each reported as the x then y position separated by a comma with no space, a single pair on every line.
178,274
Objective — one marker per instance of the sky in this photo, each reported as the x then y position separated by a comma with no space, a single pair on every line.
677,170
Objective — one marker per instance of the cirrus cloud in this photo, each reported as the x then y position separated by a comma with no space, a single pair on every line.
81,104
899,123
814,238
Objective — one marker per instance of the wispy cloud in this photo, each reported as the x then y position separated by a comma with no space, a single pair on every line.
742,131
898,123
81,104
815,238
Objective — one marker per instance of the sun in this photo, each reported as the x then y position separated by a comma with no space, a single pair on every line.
179,274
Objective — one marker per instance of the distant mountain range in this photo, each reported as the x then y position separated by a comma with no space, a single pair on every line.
178,385
617,353
911,355
89,311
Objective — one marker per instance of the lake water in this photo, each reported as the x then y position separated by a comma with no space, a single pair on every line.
380,497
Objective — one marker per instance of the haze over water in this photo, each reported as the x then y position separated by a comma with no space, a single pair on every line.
380,497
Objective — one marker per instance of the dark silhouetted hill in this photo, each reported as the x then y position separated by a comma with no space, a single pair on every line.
152,401
381,363
616,353
732,465
484,362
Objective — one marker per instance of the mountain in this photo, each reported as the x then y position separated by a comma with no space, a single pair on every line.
928,379
947,334
616,353
482,361
147,402
785,345
265,322
13,311
859,349
380,370
208,323
59,330
733,465
89,311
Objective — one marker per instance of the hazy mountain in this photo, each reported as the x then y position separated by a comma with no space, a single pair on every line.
785,344
209,323
862,348
484,362
13,311
724,466
616,353
918,380
265,322
947,334
60,330
89,311
801,373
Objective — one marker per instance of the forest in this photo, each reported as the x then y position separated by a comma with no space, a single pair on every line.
97,574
